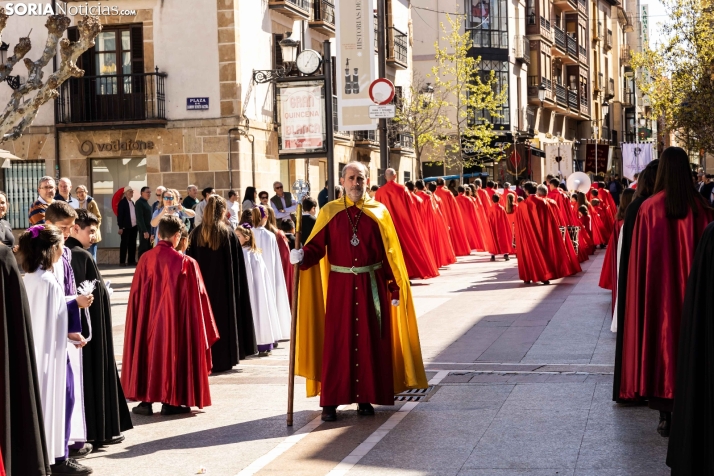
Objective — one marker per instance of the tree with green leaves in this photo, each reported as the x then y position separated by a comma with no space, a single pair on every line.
420,114
677,75
472,97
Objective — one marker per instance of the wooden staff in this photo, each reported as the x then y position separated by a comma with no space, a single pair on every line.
294,311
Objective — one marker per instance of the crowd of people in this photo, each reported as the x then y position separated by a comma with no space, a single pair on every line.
214,282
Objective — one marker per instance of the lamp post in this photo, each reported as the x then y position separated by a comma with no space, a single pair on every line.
604,109
288,49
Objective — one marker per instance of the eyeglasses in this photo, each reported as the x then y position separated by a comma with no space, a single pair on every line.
47,188
279,188
263,197
169,197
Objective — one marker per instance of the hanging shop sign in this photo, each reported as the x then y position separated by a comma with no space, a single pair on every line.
301,114
354,35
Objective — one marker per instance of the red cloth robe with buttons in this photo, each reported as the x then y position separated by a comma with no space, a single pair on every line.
417,253
435,230
169,331
500,228
357,354
661,257
474,229
456,223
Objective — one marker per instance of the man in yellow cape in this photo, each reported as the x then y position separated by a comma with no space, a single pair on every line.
352,346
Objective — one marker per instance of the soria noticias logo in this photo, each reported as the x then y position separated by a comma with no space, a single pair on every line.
61,8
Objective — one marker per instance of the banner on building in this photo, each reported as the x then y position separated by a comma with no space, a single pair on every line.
354,36
635,157
603,153
553,150
301,113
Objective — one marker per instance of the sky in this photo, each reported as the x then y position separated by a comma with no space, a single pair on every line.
657,15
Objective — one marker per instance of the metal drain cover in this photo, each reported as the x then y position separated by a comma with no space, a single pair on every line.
413,395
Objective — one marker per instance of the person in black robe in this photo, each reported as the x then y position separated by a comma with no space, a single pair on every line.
645,187
692,430
22,434
106,411
218,253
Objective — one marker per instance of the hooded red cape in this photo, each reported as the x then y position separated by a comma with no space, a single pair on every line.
608,273
485,198
417,252
474,228
169,331
542,254
501,242
585,238
436,230
452,215
660,260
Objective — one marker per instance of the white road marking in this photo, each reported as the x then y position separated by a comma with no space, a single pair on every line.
349,462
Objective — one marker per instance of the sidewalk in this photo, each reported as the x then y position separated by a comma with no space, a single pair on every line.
521,385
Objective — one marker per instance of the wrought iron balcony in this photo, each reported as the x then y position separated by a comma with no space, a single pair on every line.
583,54
625,55
116,98
572,99
559,35
366,137
523,49
402,141
572,44
323,17
398,51
561,95
296,9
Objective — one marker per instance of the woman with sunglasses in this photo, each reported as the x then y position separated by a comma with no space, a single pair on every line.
170,206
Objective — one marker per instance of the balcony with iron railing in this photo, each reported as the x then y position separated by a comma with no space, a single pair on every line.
366,138
559,36
572,46
295,9
584,103
401,142
398,52
625,55
323,17
545,30
608,40
561,95
116,99
572,99
534,86
523,49
583,56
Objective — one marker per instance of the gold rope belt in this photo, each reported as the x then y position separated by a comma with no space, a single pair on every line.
373,281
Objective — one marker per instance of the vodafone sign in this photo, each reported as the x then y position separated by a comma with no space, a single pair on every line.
381,91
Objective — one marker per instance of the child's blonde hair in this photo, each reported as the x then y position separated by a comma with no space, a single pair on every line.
246,230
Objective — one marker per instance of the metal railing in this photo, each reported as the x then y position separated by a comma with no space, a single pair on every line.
523,48
608,39
402,140
583,51
365,136
559,37
572,45
545,23
546,82
399,50
572,99
561,94
323,10
21,180
112,98
625,55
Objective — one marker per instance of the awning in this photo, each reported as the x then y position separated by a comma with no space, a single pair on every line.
6,157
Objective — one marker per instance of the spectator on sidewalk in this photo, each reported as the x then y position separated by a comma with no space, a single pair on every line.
156,205
251,195
282,202
206,192
6,236
45,196
191,202
126,219
143,220
308,218
64,192
263,197
88,203
171,207
324,196
233,212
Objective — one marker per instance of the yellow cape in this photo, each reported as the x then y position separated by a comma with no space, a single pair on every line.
406,350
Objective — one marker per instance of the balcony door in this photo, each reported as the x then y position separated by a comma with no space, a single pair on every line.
112,88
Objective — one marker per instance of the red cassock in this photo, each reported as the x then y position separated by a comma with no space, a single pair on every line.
512,226
357,354
417,253
436,231
585,238
608,273
597,229
456,223
482,219
501,242
485,198
284,249
169,331
473,226
542,254
660,260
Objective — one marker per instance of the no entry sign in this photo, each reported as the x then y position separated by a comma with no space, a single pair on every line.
381,91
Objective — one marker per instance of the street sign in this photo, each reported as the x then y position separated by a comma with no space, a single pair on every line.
193,104
382,112
381,91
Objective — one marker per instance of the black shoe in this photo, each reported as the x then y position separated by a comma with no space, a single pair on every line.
365,409
82,452
493,258
174,410
665,421
506,257
545,282
114,441
329,413
70,466
144,408
527,282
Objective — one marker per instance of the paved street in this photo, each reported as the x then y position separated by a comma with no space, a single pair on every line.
521,385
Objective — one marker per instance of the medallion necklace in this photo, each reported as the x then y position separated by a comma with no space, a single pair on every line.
354,241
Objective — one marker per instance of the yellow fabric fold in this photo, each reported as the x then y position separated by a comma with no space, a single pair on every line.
312,294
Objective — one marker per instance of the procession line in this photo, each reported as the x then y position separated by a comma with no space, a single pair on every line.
349,462
282,447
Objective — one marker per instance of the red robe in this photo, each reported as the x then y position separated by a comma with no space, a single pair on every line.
482,220
417,253
660,260
597,230
501,242
608,273
485,198
474,228
585,238
284,249
436,231
542,254
357,355
169,331
452,214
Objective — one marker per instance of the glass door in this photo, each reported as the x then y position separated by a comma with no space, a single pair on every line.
108,176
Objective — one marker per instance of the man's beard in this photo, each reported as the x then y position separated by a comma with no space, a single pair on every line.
356,193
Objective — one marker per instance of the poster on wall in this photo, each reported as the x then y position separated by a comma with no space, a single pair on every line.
301,112
354,36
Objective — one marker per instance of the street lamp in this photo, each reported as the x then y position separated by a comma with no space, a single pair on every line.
541,93
427,93
288,49
605,109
